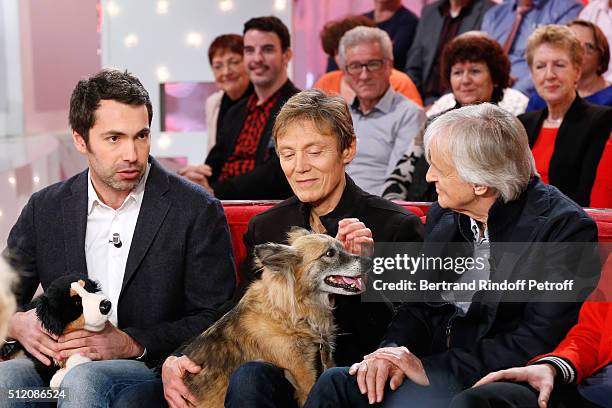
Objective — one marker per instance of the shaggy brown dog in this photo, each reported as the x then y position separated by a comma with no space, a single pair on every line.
284,318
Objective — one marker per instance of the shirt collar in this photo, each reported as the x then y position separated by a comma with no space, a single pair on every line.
136,194
385,104
537,4
476,232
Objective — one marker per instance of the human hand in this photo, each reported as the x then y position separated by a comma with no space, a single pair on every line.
372,375
108,344
401,357
539,376
198,174
176,393
355,237
26,328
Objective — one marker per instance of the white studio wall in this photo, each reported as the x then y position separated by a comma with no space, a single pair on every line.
11,97
167,41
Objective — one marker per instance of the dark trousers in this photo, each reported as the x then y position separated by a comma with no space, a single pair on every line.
261,385
508,394
145,394
337,388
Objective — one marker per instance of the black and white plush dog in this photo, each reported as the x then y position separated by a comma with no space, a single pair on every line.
70,303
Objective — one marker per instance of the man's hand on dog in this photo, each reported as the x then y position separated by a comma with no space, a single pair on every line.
176,393
387,363
355,237
111,343
25,328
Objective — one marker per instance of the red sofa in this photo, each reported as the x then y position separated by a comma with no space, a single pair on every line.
240,212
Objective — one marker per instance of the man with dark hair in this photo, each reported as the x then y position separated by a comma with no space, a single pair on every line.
244,165
158,245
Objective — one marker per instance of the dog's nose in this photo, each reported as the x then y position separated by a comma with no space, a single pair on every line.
105,306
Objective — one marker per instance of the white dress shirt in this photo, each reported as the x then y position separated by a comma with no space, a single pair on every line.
105,262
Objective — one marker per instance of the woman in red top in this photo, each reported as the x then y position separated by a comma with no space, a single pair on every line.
568,136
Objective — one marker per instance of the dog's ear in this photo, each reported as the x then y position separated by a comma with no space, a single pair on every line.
46,316
276,257
296,232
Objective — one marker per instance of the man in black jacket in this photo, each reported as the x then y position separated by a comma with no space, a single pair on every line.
243,164
488,195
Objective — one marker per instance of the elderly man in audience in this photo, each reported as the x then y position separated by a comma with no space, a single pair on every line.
158,245
511,23
592,86
568,136
385,122
243,164
440,22
315,141
578,373
334,82
488,195
478,71
226,60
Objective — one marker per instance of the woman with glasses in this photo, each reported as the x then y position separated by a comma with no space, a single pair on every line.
568,136
592,86
225,57
477,70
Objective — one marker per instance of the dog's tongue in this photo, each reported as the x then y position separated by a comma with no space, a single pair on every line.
357,281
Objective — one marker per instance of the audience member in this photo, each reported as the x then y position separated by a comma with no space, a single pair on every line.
315,141
334,82
244,165
489,194
385,122
601,193
167,278
599,12
225,58
592,86
7,297
440,23
397,21
568,136
513,21
477,71
577,373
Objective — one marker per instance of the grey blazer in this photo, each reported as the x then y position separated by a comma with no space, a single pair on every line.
180,267
423,50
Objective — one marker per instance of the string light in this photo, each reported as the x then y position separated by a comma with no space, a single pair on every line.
112,8
162,73
162,7
280,5
226,5
12,180
36,179
194,39
164,141
130,41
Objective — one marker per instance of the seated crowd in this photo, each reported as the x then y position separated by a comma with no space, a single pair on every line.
503,127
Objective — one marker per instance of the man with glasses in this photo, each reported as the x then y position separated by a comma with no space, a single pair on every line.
385,122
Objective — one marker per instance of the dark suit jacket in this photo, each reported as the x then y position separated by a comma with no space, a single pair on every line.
497,333
361,324
425,45
578,147
267,180
180,267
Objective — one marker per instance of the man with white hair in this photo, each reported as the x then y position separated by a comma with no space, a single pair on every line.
489,195
385,122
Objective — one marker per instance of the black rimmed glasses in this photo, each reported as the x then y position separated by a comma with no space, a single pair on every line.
355,68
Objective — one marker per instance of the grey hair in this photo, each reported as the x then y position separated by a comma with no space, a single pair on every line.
363,34
488,146
7,298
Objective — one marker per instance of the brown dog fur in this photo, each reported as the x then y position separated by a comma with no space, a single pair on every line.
284,318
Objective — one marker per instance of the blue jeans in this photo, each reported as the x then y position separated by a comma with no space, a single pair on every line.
337,388
93,384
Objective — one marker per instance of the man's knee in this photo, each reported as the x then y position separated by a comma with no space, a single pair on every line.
472,397
253,376
19,373
334,377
